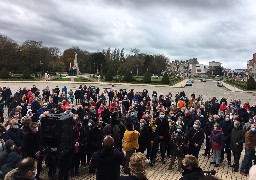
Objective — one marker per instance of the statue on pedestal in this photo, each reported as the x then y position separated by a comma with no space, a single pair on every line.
75,69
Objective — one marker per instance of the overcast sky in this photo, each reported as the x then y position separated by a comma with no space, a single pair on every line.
220,30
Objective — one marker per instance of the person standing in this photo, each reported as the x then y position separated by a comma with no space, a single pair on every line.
236,144
162,130
217,143
226,126
250,145
195,138
130,144
179,146
107,161
208,130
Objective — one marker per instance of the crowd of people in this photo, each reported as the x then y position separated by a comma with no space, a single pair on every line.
124,127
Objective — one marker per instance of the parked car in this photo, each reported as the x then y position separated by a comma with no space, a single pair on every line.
219,84
203,80
189,83
191,80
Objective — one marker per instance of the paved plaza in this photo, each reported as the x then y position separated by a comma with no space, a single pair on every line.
159,171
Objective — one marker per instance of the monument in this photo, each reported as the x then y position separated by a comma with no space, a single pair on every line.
74,70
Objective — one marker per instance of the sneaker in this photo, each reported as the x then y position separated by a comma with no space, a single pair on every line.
212,162
217,165
151,164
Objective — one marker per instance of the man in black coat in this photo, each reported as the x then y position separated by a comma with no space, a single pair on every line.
236,144
32,146
195,138
227,127
107,161
94,138
208,130
162,130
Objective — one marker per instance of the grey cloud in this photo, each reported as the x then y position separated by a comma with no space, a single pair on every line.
207,29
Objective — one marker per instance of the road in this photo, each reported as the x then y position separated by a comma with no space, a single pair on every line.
207,89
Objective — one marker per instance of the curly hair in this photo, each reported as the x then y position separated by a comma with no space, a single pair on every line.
138,166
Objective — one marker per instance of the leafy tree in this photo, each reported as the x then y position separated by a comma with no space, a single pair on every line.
147,78
165,79
128,77
8,53
4,73
251,84
26,74
109,76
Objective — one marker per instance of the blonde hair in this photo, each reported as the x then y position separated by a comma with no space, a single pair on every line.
138,165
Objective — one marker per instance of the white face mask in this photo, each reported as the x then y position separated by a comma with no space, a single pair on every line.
12,148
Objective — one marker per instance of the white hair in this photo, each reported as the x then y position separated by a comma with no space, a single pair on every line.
252,173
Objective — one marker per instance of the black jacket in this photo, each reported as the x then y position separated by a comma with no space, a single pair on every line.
237,136
162,128
195,136
31,144
227,127
193,174
107,163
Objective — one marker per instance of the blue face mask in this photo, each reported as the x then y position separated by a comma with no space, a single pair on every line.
147,115
161,116
15,126
195,126
253,129
235,126
133,115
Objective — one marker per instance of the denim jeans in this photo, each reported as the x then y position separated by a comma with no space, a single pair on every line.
216,156
247,162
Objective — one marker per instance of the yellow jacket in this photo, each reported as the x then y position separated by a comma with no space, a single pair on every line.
131,140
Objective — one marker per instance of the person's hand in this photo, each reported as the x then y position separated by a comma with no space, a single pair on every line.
77,144
151,143
237,144
196,145
161,137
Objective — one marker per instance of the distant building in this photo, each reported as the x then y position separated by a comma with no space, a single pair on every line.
214,68
251,67
201,69
214,64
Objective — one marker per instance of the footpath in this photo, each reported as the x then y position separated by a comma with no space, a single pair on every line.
232,88
181,84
